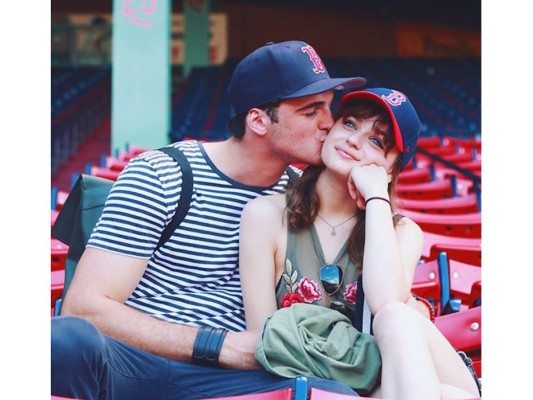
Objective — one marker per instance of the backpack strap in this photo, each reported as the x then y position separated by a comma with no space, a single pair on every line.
186,193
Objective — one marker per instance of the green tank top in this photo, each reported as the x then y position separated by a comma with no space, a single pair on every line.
300,281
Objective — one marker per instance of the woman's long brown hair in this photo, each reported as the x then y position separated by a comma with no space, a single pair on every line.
302,199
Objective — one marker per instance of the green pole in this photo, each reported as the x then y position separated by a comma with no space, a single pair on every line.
196,35
141,74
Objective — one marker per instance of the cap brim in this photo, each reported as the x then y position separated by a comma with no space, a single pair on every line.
377,99
325,85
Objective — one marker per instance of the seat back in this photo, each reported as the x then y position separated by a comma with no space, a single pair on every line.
280,394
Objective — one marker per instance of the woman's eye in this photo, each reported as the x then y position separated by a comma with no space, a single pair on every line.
378,142
350,124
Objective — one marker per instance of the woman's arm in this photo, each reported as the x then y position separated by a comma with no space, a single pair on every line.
261,226
391,253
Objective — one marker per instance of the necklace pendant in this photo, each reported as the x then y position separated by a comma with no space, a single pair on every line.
333,232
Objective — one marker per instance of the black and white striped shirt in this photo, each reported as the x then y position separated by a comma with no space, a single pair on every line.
194,278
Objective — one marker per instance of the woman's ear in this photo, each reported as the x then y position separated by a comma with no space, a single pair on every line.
257,120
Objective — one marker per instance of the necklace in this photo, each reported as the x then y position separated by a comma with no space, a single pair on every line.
333,231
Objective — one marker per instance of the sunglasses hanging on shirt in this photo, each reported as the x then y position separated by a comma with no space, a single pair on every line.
331,277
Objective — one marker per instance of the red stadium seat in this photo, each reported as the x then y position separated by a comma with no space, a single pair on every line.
61,197
462,329
439,189
426,283
105,173
473,166
280,394
53,217
59,252
115,164
454,205
466,144
475,295
57,283
468,253
467,250
428,143
319,394
463,277
456,225
415,175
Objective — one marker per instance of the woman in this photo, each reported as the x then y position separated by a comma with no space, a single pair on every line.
336,224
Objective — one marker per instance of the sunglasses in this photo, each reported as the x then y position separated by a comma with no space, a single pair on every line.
331,276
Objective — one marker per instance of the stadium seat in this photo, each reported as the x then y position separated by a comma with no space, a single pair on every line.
475,295
462,329
318,394
59,252
438,189
429,142
456,225
53,217
57,283
105,173
280,394
454,205
415,175
61,197
115,164
463,278
427,283
467,250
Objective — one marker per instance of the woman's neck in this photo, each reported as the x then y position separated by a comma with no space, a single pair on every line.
335,200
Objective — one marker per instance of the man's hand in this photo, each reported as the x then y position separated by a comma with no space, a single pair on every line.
238,351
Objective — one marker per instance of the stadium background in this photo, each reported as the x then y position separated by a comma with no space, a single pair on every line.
431,51
508,32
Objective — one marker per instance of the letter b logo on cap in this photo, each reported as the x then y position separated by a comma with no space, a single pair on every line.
395,98
315,59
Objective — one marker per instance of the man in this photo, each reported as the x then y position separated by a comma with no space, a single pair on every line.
138,335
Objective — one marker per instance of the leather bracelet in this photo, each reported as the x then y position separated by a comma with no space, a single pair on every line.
429,306
377,198
207,345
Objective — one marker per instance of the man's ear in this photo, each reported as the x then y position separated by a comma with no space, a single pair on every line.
257,120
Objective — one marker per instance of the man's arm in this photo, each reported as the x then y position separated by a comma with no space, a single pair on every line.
103,282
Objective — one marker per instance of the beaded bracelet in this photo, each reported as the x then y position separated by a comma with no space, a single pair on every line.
428,305
207,345
377,198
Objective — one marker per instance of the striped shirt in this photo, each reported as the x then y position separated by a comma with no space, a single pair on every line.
194,277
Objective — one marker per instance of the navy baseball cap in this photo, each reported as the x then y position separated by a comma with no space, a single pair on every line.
405,121
282,70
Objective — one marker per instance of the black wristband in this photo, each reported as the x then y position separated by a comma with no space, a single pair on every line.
207,346
378,198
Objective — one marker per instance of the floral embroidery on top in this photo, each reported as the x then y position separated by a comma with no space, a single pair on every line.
350,292
306,290
309,290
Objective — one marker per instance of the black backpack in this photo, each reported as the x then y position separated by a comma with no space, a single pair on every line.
85,203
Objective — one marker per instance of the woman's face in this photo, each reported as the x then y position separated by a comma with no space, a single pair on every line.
354,142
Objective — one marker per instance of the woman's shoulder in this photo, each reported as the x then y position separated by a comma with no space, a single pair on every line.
264,208
265,211
273,203
407,225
